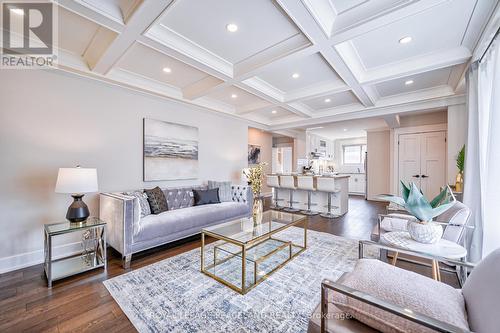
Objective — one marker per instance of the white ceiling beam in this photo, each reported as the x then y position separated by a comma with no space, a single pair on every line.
316,90
140,20
94,16
307,24
359,26
437,103
205,86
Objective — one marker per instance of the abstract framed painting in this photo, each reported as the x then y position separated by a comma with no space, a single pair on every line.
253,154
170,151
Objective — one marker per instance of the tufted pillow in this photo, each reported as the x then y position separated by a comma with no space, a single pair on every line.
143,201
225,190
407,289
157,200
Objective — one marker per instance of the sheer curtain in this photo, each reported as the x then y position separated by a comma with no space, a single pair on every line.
482,165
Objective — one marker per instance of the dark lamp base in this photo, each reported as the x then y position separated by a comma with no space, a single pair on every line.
78,211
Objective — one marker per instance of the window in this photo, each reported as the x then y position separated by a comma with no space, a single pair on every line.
354,154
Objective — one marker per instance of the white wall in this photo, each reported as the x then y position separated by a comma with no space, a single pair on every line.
52,119
265,141
379,161
457,135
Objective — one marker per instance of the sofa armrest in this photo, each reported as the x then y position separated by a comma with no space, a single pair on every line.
397,310
242,193
119,213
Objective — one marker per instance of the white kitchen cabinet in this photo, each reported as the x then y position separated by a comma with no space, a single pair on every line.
357,183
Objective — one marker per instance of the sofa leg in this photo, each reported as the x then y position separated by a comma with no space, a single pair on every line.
126,261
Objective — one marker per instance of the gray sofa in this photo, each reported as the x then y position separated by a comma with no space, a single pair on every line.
128,233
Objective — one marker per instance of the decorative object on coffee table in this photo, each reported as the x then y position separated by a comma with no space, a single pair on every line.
423,230
255,176
170,151
77,181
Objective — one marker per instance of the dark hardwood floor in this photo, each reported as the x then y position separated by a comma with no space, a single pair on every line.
82,303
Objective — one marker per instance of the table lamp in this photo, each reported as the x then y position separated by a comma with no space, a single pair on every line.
77,181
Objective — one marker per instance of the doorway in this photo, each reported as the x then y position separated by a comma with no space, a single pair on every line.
422,160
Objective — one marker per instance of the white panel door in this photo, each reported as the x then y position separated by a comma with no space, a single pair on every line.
432,163
422,160
287,161
409,159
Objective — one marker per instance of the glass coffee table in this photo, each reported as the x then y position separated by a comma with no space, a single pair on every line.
246,254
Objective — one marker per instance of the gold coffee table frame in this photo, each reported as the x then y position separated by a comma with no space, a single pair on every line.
247,245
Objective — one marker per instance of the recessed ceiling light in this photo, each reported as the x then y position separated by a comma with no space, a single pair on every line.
408,82
274,112
234,96
327,100
345,129
17,11
405,40
167,69
295,75
231,27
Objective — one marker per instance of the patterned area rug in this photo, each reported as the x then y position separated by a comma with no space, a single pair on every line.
174,296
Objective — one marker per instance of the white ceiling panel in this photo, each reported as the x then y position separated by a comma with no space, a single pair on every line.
77,33
421,81
349,129
312,69
440,27
147,62
332,100
344,5
279,113
260,23
236,97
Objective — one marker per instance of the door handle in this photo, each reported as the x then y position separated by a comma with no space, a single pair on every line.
424,176
416,176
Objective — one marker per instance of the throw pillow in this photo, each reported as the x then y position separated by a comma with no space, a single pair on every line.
225,190
403,288
157,200
143,201
205,197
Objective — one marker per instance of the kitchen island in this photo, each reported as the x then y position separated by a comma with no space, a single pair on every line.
319,199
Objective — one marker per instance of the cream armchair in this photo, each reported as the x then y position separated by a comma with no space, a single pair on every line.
476,304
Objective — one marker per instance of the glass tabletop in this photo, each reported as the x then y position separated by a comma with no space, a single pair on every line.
244,231
65,227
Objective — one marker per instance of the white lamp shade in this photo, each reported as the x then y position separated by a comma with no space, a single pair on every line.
76,180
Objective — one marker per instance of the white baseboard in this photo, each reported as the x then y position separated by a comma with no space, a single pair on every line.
18,261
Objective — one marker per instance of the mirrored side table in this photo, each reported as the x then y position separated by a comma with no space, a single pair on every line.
92,256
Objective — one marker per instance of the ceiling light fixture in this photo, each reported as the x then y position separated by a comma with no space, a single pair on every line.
274,112
295,75
345,129
408,82
327,100
231,27
234,96
405,40
167,69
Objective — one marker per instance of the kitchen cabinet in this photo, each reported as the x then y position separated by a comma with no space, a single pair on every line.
357,183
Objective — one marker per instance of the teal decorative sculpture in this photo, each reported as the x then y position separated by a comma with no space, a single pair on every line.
417,205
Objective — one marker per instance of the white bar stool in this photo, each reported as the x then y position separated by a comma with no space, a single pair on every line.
327,184
307,183
274,182
288,182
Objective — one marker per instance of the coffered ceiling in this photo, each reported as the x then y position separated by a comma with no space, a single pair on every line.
278,64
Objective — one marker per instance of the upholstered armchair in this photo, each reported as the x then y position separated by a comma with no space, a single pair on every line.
377,296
